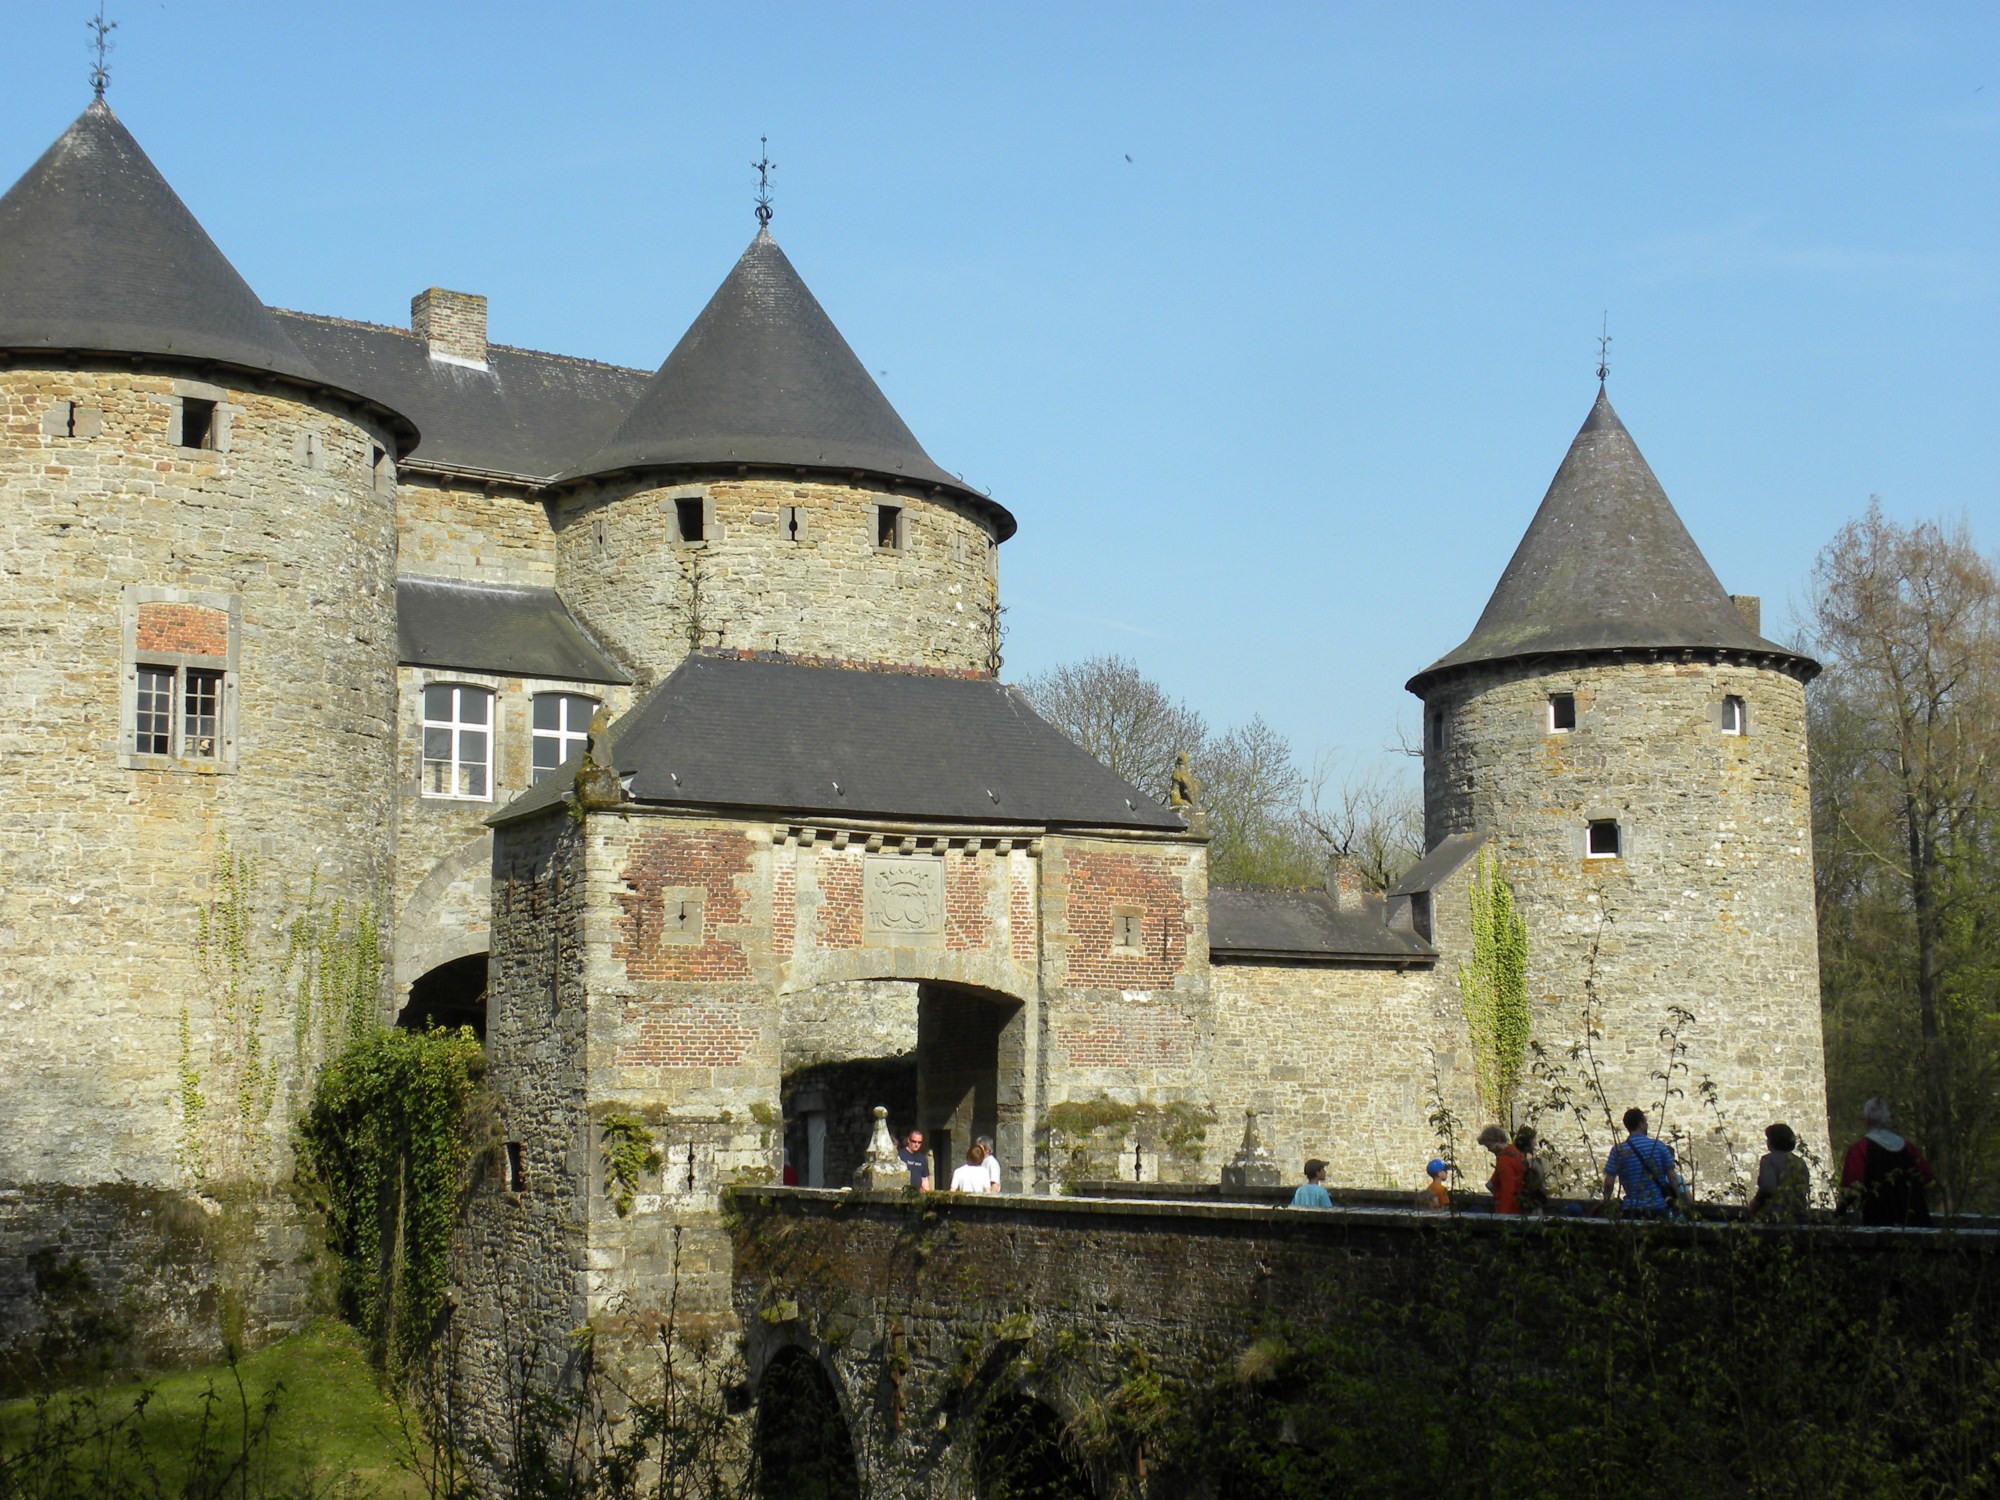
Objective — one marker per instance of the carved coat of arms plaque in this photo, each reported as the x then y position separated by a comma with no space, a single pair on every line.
902,899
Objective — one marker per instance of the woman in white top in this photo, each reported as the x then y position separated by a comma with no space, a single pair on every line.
972,1178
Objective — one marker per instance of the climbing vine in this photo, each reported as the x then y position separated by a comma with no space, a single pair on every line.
398,1123
1493,983
259,952
629,1150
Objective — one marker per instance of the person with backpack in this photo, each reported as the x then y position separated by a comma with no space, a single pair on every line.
1885,1175
1534,1182
1784,1182
1645,1168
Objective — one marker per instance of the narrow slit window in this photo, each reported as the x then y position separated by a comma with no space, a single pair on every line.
1735,716
791,523
1437,737
688,517
517,1168
1602,839
1562,712
197,422
889,528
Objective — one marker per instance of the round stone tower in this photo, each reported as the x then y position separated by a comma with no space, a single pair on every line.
1637,752
763,496
198,541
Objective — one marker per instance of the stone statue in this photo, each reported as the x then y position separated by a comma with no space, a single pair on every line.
1185,792
597,783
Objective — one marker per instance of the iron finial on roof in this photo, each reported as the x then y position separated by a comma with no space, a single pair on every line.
1604,351
101,44
765,167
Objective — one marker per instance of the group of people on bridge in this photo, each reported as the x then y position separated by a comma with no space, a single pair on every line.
1884,1177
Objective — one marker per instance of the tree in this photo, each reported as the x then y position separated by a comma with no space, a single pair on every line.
1269,823
1905,728
1120,716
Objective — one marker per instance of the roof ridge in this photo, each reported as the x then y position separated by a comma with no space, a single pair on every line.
337,321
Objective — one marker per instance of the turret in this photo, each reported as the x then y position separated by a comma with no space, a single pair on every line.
764,496
1638,751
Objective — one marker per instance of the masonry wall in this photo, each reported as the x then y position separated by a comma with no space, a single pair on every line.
110,854
754,583
441,889
453,528
1707,910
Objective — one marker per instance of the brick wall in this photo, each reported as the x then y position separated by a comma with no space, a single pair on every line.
188,629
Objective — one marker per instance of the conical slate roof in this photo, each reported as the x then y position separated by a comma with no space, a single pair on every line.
763,377
1606,565
98,253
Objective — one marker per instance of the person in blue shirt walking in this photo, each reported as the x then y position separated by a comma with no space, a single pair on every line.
1645,1168
1312,1192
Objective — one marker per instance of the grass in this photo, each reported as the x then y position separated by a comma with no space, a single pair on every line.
330,1431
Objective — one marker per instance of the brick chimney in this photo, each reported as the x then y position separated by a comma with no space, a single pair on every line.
453,324
1752,610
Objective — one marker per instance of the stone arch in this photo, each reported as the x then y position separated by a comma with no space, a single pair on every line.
1017,1451
803,1434
447,917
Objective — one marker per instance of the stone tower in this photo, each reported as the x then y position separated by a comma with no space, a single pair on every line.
763,496
198,546
1638,752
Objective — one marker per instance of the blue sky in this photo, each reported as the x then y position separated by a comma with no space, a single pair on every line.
1271,324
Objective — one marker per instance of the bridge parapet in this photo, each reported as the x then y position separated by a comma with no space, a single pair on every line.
1123,1322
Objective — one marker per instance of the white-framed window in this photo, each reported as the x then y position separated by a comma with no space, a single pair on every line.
1735,716
562,724
1602,839
458,742
1562,712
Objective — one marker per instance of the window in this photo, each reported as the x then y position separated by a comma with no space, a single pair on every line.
197,423
1562,712
1437,736
458,743
562,724
688,518
1601,839
1735,718
890,530
791,523
178,693
1128,929
517,1168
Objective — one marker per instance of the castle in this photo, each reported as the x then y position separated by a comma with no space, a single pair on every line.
330,608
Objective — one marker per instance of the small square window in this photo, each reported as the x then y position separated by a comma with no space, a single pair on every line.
1601,839
1735,716
1128,929
197,423
688,518
890,531
1562,712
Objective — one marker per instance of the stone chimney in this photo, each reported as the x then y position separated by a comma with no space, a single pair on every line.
1752,610
453,324
1344,886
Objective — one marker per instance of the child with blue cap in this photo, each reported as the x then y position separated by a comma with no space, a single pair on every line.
1436,1194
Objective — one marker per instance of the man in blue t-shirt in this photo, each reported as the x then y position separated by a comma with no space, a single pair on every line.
1312,1192
1645,1168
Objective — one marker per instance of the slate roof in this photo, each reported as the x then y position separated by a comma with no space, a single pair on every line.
98,254
1606,565
734,733
516,632
1248,922
526,415
763,377
1451,851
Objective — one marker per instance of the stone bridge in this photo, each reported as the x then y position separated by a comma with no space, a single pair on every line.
947,1346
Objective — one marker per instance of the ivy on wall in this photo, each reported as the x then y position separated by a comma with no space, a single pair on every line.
629,1151
261,953
1493,982
398,1123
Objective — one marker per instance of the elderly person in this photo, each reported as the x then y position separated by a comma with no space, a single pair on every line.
1884,1174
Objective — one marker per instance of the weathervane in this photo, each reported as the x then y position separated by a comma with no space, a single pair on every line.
1604,351
102,45
765,168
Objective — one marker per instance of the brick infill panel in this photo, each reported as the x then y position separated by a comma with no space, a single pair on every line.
185,629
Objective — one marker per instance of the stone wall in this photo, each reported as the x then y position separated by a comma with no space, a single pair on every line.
1709,905
452,528
786,565
110,854
443,846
